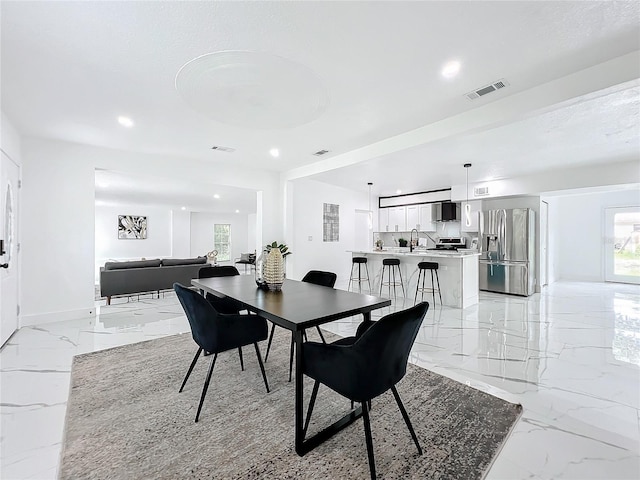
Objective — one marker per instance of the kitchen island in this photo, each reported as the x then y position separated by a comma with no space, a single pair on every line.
458,273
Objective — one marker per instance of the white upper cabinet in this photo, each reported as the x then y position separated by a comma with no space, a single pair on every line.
426,218
383,220
397,219
470,224
413,217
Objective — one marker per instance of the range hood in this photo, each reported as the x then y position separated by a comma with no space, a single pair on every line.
447,212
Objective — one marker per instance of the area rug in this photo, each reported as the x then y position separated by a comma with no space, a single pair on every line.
126,420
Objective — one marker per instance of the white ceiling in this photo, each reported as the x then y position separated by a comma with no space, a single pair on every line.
305,76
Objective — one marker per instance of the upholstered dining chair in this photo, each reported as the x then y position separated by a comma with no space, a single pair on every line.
215,333
222,305
363,367
317,277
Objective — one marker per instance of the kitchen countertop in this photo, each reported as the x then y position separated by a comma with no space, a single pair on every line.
419,253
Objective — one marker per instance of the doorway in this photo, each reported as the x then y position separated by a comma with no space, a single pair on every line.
9,183
622,244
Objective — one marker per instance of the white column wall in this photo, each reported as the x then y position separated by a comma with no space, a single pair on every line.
58,217
308,197
577,231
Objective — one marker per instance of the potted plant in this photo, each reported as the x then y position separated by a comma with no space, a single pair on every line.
402,242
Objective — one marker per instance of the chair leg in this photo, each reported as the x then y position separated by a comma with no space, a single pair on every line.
406,418
438,280
206,386
415,297
350,278
404,295
368,281
264,375
312,402
193,364
321,336
241,361
433,289
367,434
291,356
273,329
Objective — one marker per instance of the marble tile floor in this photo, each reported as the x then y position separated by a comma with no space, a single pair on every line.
570,356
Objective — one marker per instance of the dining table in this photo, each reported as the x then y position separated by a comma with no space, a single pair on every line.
296,307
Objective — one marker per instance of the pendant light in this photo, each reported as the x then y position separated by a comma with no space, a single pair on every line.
467,207
370,212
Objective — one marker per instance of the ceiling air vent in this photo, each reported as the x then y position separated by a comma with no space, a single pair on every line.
487,89
319,153
480,191
223,149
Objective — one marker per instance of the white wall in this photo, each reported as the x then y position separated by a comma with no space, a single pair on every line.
308,197
110,247
58,216
180,234
576,232
10,141
202,233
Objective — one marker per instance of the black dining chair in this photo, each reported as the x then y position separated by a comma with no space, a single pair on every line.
317,277
222,305
363,367
216,333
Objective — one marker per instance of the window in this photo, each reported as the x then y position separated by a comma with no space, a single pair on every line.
222,241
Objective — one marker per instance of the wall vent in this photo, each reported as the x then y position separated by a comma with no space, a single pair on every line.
223,149
487,89
480,191
321,152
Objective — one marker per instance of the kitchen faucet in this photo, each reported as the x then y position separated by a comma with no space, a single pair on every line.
411,238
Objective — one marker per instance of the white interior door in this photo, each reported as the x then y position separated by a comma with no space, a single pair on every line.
9,176
622,244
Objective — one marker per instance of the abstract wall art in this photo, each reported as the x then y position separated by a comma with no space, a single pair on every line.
132,227
331,223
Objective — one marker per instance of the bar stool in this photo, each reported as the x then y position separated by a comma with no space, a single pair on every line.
393,265
359,261
422,272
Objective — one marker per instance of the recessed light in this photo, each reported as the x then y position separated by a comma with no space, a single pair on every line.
237,211
451,69
398,192
184,208
274,152
125,121
216,195
103,185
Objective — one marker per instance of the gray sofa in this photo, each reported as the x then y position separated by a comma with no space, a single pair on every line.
127,278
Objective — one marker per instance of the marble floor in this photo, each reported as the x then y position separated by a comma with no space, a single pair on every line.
569,355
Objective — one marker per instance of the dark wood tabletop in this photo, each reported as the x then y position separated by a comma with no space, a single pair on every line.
298,306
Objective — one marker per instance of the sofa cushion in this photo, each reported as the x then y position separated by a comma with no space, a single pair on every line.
169,262
132,264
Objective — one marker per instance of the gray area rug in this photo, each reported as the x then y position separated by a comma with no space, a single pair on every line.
126,420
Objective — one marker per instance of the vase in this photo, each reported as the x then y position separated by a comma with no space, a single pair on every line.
274,270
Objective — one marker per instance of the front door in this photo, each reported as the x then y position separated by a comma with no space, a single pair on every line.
9,176
622,244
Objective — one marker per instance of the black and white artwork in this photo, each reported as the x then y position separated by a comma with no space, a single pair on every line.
331,223
132,227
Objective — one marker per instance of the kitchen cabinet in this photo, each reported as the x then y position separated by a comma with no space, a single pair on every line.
426,218
475,207
397,219
393,219
413,217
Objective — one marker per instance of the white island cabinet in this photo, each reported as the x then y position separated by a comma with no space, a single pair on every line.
457,271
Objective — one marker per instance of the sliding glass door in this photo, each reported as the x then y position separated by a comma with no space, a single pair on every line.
622,244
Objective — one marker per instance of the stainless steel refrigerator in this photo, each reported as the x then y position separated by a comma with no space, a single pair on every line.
507,248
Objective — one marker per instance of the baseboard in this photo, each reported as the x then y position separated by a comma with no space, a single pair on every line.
52,317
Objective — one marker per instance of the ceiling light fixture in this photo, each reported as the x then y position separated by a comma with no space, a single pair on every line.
237,211
183,208
215,195
274,152
467,207
451,69
125,121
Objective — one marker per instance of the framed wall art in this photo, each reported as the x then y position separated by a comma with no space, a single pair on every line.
132,227
331,223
